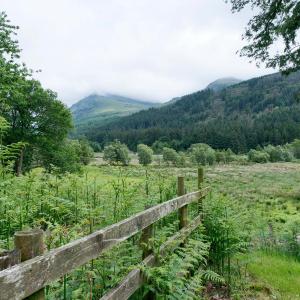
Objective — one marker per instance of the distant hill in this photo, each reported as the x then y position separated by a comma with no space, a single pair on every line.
254,112
223,83
97,110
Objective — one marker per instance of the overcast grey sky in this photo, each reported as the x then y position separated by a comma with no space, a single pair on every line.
147,49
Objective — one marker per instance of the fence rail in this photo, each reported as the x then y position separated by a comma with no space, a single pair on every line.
30,276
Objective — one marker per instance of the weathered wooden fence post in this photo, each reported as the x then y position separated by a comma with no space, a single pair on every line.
183,211
30,243
200,182
200,177
146,235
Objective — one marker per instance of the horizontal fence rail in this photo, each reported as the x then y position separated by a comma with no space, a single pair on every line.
28,277
135,279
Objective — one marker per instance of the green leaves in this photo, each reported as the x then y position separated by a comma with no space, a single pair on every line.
275,24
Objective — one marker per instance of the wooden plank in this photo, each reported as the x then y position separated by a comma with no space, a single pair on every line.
24,279
135,279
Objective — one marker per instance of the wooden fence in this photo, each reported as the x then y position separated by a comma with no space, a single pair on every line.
35,270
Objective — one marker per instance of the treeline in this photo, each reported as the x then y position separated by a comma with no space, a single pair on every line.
200,154
259,111
34,123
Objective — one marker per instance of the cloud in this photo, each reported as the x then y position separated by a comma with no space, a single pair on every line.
147,49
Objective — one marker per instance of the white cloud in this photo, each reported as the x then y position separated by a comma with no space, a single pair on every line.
148,49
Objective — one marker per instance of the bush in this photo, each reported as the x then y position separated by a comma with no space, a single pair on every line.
221,156
145,154
170,156
158,146
278,153
84,151
295,146
182,159
202,154
116,153
62,158
258,156
96,146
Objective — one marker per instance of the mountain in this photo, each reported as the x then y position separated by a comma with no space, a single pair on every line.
254,112
96,110
223,83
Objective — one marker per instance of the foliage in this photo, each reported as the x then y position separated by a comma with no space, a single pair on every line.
259,111
170,155
226,229
116,153
182,274
274,22
84,151
34,114
97,110
258,156
202,154
95,146
8,153
295,146
278,153
159,145
145,154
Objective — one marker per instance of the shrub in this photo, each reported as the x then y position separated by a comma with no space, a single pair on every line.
278,153
116,153
145,154
182,159
96,146
202,154
170,155
62,158
221,156
295,146
84,151
258,156
158,146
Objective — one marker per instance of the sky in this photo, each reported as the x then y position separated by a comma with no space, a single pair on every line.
151,50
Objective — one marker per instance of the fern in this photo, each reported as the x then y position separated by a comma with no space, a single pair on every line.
182,273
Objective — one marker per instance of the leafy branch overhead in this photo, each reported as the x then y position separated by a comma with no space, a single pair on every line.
272,33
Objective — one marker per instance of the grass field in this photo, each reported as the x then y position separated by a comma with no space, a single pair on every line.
266,197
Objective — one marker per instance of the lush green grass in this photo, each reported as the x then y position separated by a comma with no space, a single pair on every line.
276,272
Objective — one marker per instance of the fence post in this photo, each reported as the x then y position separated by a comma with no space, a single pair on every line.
30,243
147,234
200,182
183,211
200,177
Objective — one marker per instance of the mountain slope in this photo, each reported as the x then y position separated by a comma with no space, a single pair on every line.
223,83
96,110
254,112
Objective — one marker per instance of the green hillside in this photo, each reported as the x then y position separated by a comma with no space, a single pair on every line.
254,112
223,83
96,110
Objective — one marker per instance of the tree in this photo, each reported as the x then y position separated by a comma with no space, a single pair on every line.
145,154
8,153
275,24
116,153
35,115
202,154
170,155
